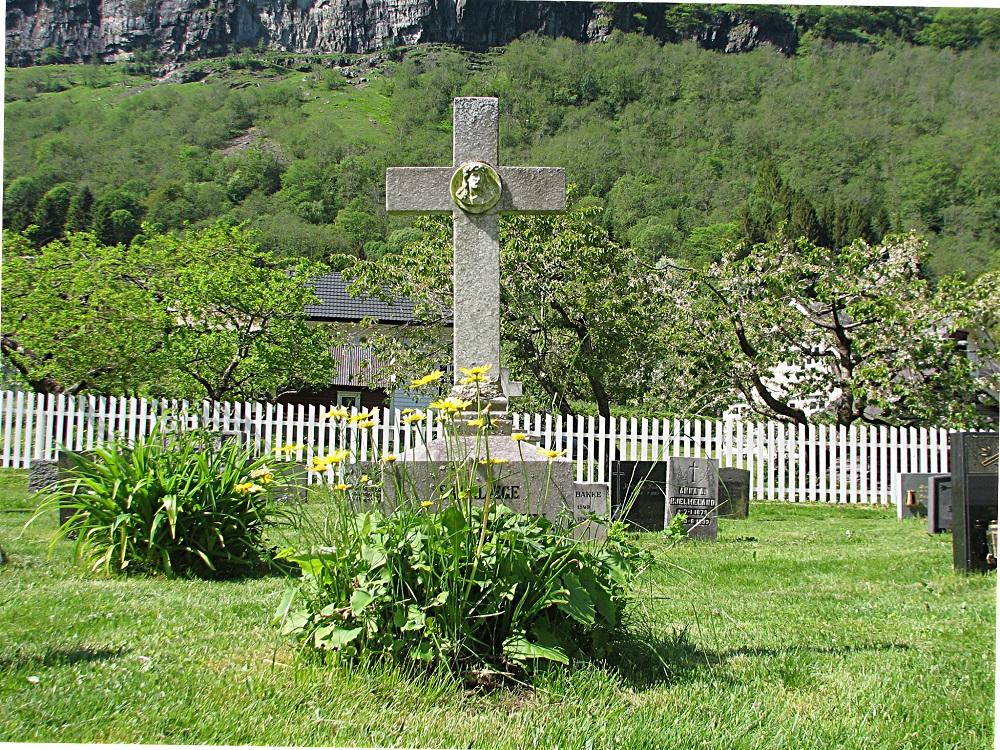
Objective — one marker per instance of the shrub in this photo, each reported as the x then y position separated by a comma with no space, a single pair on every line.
178,502
450,582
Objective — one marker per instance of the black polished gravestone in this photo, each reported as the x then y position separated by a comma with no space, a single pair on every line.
974,460
638,493
734,493
938,503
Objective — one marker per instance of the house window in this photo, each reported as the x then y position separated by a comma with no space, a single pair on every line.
349,399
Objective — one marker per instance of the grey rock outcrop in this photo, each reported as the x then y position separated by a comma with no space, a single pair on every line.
177,30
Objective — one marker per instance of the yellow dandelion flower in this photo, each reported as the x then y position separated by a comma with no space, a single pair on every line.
338,412
450,404
366,425
427,379
363,417
479,422
472,379
337,457
243,488
477,370
551,454
318,464
364,478
389,458
426,503
518,436
494,461
342,487
414,417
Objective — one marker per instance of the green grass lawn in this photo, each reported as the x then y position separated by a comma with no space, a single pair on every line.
804,627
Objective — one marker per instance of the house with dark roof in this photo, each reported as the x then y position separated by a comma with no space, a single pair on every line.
361,379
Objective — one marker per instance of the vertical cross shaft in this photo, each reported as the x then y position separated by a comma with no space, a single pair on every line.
476,237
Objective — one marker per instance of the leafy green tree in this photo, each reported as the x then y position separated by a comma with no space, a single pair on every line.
861,335
254,169
580,315
52,211
78,215
238,327
73,322
201,314
355,226
116,217
19,200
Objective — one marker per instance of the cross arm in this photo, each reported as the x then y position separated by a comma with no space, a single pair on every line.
420,190
533,189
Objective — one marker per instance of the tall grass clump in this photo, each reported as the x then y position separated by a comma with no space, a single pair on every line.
455,580
176,502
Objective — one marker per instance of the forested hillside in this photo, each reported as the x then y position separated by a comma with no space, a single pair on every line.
685,148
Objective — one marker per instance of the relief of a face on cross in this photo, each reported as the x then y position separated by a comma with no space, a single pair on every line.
474,190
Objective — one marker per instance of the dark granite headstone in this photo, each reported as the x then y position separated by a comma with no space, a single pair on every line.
974,460
638,493
939,503
911,495
734,493
693,489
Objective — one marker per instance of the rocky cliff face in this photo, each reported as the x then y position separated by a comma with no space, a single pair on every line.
80,30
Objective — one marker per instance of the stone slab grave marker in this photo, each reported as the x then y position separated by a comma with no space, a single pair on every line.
647,494
734,493
475,189
693,489
938,503
974,465
909,493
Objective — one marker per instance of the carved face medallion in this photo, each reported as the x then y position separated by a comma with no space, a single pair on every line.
475,187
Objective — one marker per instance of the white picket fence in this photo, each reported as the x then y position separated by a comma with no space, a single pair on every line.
822,463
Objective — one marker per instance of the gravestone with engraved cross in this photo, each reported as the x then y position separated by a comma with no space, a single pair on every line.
475,189
692,488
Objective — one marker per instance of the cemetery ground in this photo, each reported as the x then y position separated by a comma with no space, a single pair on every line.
807,626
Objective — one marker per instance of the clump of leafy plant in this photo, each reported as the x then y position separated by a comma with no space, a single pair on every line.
178,502
452,582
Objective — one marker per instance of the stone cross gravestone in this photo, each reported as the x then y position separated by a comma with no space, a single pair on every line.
939,503
974,464
474,190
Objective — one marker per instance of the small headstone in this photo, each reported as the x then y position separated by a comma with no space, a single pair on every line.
910,495
734,493
974,460
638,494
939,503
693,489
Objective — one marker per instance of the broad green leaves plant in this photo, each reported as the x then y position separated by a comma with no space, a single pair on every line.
451,577
173,503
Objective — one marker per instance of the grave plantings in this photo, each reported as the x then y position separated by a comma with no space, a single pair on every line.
176,502
460,582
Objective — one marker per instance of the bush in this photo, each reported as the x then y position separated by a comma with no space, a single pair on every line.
449,582
171,503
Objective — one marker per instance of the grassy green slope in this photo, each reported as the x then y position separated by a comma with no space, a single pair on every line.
805,627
